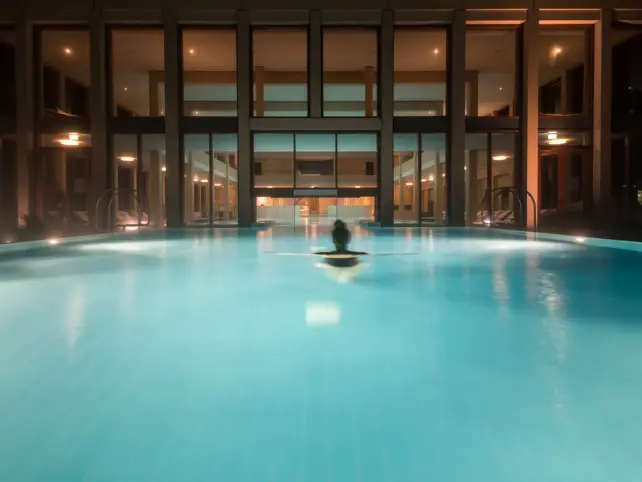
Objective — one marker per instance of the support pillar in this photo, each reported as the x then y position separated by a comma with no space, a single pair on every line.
438,205
173,103
527,172
315,62
472,197
602,105
189,188
386,110
455,177
244,95
25,120
155,190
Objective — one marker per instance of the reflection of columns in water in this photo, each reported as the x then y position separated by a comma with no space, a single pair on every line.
155,190
472,203
132,199
189,188
398,162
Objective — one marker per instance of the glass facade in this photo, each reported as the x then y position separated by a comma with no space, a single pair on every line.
416,121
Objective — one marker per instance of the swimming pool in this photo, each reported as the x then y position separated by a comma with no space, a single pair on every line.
198,356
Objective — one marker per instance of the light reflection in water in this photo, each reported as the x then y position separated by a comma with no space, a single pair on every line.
76,313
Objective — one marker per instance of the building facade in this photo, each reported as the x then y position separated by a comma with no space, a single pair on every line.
402,112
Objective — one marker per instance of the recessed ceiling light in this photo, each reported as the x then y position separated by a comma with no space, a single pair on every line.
431,178
163,169
358,187
436,51
196,179
192,51
269,187
551,135
556,51
68,51
127,158
408,184
443,175
195,112
501,157
501,88
125,89
218,184
204,180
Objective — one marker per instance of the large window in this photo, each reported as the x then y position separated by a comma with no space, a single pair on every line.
137,72
280,62
349,72
566,175
490,73
7,74
211,182
62,180
563,61
357,164
64,71
490,178
420,72
315,160
419,165
140,175
209,73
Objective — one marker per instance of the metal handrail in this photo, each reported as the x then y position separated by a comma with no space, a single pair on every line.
515,192
113,192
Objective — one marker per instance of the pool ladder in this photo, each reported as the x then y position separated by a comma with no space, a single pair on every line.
112,194
486,202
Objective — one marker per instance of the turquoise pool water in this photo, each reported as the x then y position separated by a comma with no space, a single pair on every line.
201,357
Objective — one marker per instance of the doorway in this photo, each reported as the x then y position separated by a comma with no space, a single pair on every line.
295,211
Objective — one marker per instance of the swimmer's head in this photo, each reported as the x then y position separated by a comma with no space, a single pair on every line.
340,236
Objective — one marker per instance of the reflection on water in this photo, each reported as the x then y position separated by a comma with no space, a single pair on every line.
75,312
322,314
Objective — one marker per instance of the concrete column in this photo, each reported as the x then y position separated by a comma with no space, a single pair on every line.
455,177
155,190
244,95
173,108
602,105
98,112
527,172
472,197
25,119
315,62
386,111
438,189
189,188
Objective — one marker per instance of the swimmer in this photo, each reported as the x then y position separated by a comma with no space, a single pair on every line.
344,264
341,257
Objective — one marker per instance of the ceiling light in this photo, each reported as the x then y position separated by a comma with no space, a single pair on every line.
191,51
218,184
436,51
163,169
127,158
431,178
423,180
501,88
409,184
269,187
556,51
465,168
557,142
443,175
68,51
73,136
501,157
196,178
125,89
195,112
204,180
358,187
551,135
